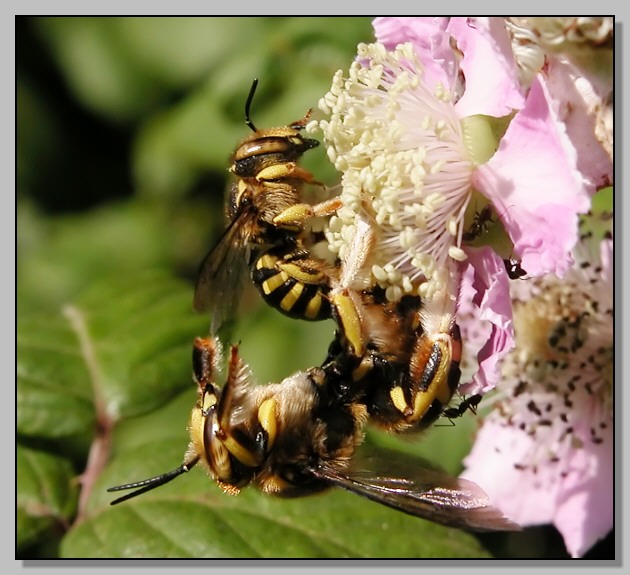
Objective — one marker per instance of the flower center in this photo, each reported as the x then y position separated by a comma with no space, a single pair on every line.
562,376
395,136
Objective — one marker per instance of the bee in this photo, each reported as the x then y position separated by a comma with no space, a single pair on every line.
402,357
409,371
267,229
299,437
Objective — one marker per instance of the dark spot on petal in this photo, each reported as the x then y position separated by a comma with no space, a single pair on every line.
520,388
534,408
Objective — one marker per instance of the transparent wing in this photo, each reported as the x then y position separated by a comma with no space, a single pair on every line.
426,493
222,274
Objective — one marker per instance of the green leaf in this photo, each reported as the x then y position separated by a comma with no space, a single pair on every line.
124,66
116,346
192,517
215,525
597,224
603,202
46,496
99,67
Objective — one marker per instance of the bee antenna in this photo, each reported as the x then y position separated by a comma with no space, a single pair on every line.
248,104
149,484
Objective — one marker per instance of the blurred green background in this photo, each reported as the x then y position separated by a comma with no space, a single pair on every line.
124,131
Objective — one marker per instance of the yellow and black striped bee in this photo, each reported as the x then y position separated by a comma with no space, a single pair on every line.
401,358
409,371
267,229
300,437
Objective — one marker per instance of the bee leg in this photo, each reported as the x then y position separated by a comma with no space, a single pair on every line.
347,316
327,208
303,269
433,377
275,176
205,358
299,213
305,176
271,174
237,385
267,417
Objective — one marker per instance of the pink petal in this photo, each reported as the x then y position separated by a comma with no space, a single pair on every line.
491,465
578,105
430,41
489,293
586,503
535,188
391,31
492,86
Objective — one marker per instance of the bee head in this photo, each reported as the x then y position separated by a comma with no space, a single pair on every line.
231,429
270,435
268,154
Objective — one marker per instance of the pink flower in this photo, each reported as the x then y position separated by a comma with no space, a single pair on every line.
573,57
427,136
587,115
545,452
538,196
485,318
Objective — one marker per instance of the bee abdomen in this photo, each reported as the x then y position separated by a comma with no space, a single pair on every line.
294,288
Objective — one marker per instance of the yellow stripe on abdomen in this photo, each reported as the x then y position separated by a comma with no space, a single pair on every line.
289,300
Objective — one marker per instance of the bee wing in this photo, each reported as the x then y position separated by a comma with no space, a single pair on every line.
222,273
425,493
